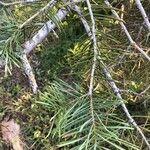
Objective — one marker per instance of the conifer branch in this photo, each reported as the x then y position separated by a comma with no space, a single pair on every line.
93,38
132,42
116,91
143,13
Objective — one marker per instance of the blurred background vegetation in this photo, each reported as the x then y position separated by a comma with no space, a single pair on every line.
58,117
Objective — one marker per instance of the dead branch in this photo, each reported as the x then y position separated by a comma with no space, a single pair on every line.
132,42
28,70
46,29
135,93
143,13
43,32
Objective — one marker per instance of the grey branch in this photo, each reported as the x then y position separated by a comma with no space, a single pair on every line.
31,44
43,32
132,42
143,13
28,70
28,46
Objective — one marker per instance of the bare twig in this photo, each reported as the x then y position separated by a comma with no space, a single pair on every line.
140,31
48,6
117,92
145,90
135,93
18,2
122,13
132,42
43,32
143,13
37,38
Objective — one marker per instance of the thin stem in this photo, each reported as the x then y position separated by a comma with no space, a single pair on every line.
93,37
94,47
